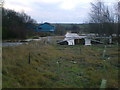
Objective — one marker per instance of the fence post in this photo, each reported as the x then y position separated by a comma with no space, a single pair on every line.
110,40
104,51
29,58
103,84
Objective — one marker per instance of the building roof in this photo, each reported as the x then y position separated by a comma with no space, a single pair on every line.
46,24
45,27
70,36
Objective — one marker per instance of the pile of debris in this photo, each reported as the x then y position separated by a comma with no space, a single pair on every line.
75,39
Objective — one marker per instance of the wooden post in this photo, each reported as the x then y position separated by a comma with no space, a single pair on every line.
29,58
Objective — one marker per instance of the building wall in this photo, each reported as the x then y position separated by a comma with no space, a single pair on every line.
45,27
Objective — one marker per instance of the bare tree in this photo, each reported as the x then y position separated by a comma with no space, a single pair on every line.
118,11
101,19
118,18
96,12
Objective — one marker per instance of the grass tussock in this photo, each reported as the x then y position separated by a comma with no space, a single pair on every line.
60,66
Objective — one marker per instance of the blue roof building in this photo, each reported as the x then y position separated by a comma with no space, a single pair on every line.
46,27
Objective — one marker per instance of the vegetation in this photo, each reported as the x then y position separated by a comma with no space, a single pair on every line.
16,25
44,64
59,66
102,21
61,28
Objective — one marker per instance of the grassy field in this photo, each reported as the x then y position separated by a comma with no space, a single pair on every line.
59,66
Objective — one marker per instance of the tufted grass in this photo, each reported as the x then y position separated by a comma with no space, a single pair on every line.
79,66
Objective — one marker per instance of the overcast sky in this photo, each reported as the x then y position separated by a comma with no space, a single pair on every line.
55,11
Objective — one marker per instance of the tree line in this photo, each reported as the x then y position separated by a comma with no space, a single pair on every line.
16,25
102,20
